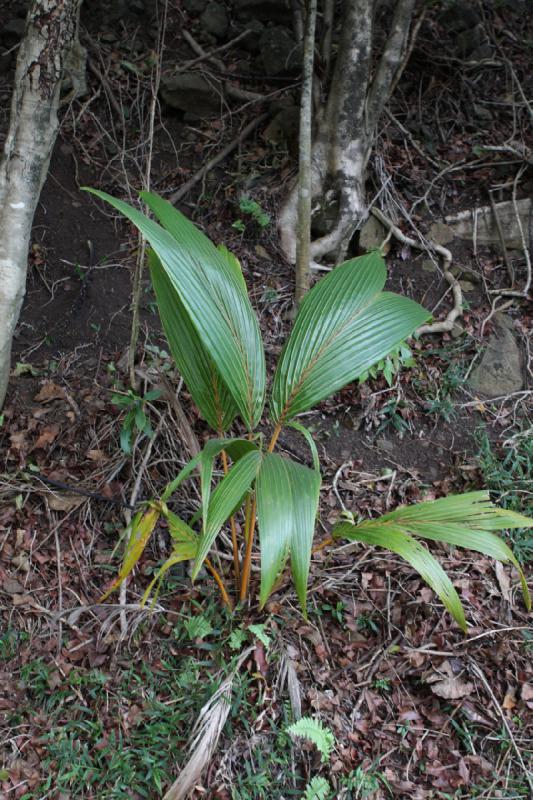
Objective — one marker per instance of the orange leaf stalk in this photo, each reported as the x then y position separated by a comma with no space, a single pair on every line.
220,583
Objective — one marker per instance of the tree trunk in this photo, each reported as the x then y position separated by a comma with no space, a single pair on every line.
303,243
51,30
346,126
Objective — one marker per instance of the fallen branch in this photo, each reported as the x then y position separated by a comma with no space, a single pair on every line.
113,102
448,323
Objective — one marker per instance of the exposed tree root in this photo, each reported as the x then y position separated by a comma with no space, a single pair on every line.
446,324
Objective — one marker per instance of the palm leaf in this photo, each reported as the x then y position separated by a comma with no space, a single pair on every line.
398,541
344,326
225,499
201,377
235,448
306,433
213,296
140,530
464,520
185,546
287,502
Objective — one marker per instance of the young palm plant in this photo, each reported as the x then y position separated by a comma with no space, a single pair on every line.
345,325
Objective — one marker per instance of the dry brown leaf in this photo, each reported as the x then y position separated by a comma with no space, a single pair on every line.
504,581
47,437
50,391
12,586
18,440
526,692
509,701
64,501
22,562
448,685
96,455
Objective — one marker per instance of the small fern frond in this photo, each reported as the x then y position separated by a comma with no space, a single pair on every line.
317,789
315,732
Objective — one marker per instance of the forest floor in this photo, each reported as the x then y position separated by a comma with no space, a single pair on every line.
417,709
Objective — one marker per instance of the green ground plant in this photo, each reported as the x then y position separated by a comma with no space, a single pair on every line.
136,419
253,211
508,471
345,325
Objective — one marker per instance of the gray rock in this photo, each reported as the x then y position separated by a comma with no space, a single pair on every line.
468,41
280,53
195,7
190,92
372,234
251,42
467,286
215,20
264,10
429,266
385,444
441,233
500,370
486,229
283,127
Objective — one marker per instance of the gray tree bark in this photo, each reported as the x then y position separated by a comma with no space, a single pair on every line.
303,243
51,31
345,127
